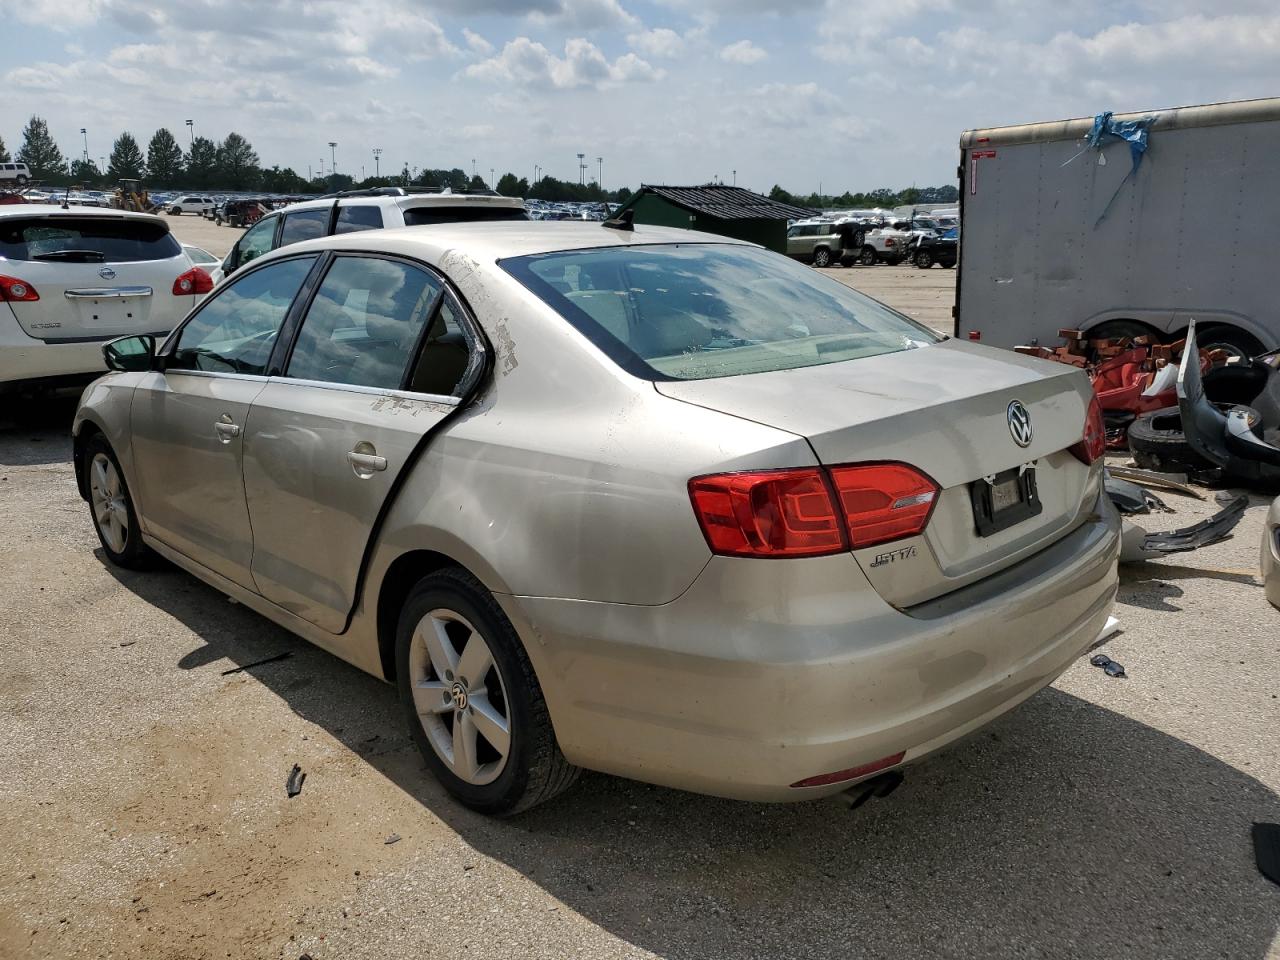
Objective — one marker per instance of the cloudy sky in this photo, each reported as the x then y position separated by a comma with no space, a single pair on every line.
849,95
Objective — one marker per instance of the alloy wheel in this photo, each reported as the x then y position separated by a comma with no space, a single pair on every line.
460,697
110,509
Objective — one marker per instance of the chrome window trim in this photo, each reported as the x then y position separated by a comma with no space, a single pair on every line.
370,391
216,374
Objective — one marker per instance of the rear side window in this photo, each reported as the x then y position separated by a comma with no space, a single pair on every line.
696,311
304,225
86,240
422,216
352,219
364,324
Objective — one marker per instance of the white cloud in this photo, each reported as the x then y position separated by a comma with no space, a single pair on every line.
585,15
744,52
661,42
476,42
583,65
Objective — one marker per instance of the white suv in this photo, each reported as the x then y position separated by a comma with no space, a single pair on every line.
15,171
191,204
72,279
382,207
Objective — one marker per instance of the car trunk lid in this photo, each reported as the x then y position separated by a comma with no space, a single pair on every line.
944,409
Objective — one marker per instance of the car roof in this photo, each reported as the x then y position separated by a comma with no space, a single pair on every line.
50,210
490,241
411,201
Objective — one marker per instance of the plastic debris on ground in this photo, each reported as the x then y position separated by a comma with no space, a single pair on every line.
293,785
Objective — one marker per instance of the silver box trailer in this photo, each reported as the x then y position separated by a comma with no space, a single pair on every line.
1194,231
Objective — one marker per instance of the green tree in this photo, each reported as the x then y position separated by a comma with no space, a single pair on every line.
40,153
126,160
237,163
4,154
202,162
86,172
276,180
909,196
164,159
477,183
780,195
510,186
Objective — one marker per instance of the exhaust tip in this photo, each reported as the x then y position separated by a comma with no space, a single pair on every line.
880,786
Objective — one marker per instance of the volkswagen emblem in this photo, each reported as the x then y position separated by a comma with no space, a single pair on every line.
106,273
1019,423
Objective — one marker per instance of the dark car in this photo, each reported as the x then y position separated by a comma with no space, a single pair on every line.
943,249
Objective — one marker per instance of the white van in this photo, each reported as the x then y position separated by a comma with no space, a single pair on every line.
15,171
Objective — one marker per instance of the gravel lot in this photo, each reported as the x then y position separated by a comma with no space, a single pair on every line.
143,810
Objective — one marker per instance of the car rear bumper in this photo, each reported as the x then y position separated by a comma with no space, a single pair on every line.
765,673
27,361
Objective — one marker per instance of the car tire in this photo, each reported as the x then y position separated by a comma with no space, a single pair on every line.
822,257
1157,442
1223,336
868,258
445,613
111,507
21,179
924,259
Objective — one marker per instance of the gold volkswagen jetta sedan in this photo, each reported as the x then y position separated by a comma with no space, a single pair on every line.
645,501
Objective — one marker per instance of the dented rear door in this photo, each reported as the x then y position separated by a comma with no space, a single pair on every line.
371,374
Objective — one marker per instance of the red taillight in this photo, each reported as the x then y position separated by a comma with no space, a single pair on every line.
1094,443
13,290
839,776
889,242
773,513
975,334
884,501
793,513
194,280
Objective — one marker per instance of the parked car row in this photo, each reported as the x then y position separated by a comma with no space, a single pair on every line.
843,241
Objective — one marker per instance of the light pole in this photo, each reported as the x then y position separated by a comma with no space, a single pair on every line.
85,133
191,129
735,178
322,168
491,178
600,173
377,152
333,156
536,170
582,177
473,167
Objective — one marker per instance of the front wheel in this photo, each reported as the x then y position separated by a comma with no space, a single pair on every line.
474,706
114,516
924,260
868,257
822,257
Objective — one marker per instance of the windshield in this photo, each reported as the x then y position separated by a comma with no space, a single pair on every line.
85,239
698,311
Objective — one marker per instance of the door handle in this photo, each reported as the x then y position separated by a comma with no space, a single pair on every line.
366,464
226,430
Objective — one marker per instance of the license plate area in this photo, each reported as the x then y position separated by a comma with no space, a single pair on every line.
1005,499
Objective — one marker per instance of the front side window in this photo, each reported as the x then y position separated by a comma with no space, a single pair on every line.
364,324
696,311
304,225
257,240
355,218
237,327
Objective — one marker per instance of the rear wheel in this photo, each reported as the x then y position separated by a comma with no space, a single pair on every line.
474,706
822,257
1231,339
868,257
924,259
114,516
1123,329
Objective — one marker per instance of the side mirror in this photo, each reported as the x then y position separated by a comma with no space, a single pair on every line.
131,354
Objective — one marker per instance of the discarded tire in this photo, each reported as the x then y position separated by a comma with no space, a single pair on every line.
1158,443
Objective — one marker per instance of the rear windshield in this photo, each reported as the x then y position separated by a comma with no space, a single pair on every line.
698,311
421,216
85,239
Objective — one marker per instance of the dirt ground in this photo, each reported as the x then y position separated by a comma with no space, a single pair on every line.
143,811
